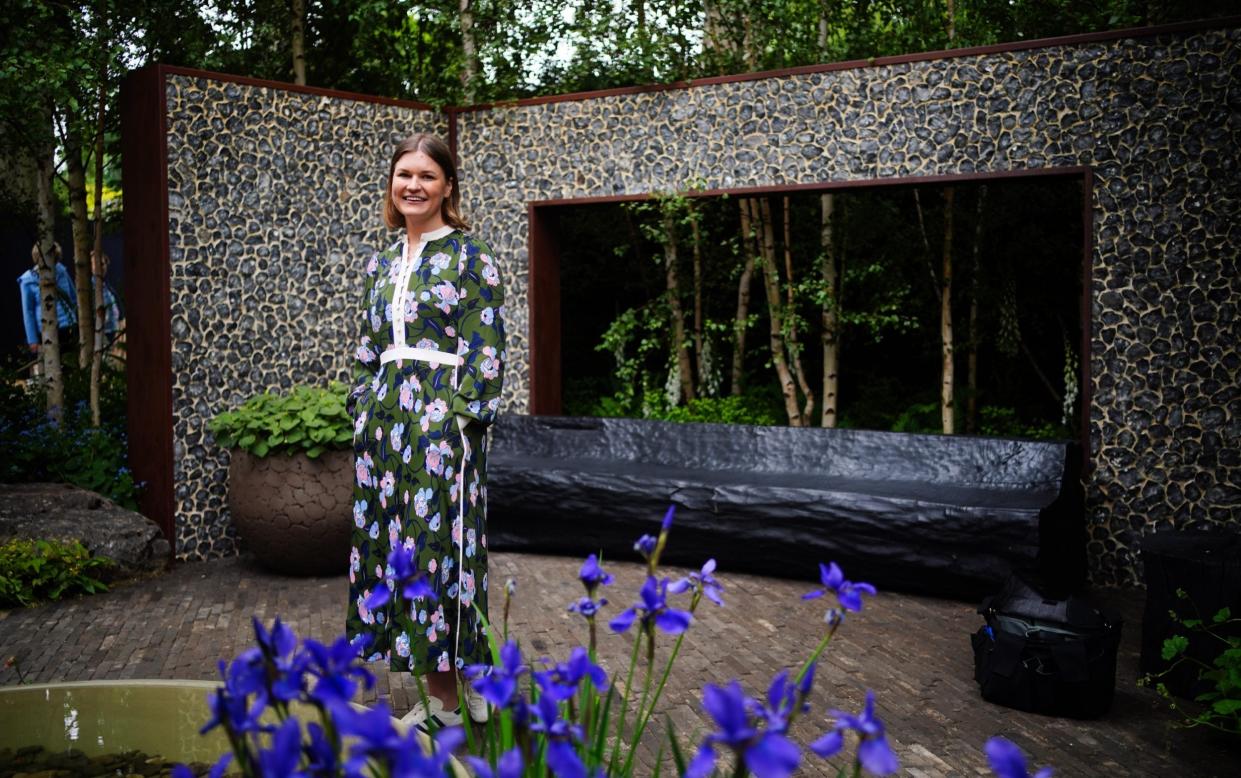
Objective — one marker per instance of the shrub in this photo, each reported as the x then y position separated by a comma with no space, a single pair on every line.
73,452
33,571
733,409
309,420
1004,423
1218,640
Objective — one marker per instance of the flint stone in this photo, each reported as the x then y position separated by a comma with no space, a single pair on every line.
941,514
67,513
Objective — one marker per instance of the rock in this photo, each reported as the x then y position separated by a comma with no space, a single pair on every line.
66,513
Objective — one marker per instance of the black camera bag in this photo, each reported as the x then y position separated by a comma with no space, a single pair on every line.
1046,654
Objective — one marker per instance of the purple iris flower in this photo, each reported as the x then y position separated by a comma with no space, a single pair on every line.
221,764
321,756
873,753
246,675
587,607
781,698
654,609
377,739
373,729
286,751
409,761
667,523
848,593
217,769
592,575
702,580
406,576
645,546
284,664
498,683
228,704
561,681
767,753
1007,761
509,765
337,667
562,757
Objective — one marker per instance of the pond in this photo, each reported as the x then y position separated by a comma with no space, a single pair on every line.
97,728
100,718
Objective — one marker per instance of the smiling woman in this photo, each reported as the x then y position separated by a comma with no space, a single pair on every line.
429,369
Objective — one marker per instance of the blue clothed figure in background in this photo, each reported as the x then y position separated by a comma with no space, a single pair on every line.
66,301
66,294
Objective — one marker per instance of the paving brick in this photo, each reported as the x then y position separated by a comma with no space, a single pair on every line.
912,651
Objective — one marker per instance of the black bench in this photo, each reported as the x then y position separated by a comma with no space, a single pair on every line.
931,513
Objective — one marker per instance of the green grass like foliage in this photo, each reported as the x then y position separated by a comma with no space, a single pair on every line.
34,571
309,420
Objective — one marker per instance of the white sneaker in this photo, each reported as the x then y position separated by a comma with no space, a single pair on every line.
431,716
478,707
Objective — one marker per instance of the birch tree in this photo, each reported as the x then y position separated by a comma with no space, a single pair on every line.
777,312
45,259
975,337
741,319
75,173
947,399
297,39
829,307
469,51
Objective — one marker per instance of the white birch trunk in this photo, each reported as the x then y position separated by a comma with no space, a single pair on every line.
469,51
297,35
830,311
947,400
49,346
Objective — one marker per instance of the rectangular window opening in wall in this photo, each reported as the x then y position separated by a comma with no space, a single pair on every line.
821,306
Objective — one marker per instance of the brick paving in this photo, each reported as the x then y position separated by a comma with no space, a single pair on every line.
913,651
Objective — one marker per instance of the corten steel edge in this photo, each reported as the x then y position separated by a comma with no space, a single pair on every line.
148,336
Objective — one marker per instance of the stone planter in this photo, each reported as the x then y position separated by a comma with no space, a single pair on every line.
292,512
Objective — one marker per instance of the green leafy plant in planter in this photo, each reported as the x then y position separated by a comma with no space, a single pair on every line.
290,477
308,420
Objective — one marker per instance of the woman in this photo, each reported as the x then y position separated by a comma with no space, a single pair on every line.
428,378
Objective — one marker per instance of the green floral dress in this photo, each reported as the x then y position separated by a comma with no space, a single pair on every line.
428,379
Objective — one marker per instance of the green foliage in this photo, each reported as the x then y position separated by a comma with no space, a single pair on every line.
33,571
73,452
733,409
637,340
1004,423
919,417
1216,652
924,417
309,420
1174,647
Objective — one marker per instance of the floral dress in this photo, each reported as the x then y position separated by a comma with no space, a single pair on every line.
428,378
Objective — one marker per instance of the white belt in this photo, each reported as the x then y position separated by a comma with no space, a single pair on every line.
419,355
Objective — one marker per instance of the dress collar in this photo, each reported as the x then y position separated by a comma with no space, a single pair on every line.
427,237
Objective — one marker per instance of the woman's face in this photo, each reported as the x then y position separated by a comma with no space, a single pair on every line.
418,190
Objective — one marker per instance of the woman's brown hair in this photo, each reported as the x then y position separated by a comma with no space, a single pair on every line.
441,155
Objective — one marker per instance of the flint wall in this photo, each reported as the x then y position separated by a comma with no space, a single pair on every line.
272,200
